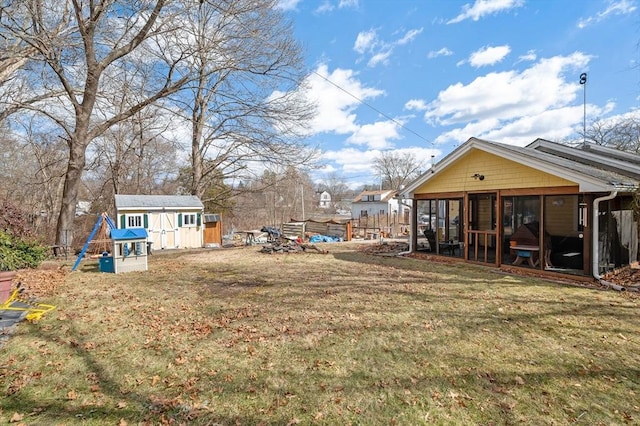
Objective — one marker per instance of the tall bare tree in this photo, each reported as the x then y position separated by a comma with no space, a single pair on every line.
622,134
246,106
339,191
80,47
396,169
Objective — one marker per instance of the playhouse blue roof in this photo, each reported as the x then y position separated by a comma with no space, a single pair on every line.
128,234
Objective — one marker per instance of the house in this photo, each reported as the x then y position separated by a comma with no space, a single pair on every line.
373,203
325,200
171,221
547,206
379,213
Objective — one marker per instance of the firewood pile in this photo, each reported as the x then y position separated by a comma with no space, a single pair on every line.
290,246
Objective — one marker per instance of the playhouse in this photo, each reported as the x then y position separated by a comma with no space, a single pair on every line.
128,251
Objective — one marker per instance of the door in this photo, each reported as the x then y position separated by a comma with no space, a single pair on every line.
163,230
169,230
481,230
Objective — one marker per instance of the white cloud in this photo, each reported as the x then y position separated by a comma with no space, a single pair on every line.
380,58
442,52
352,161
365,41
409,36
514,107
336,99
287,4
485,7
529,56
488,55
325,7
622,7
347,3
381,51
415,105
377,135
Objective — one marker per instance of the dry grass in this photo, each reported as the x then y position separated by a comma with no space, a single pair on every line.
239,337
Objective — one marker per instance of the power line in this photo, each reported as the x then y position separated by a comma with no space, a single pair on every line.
372,107
354,96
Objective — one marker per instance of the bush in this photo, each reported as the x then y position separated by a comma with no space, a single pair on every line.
17,253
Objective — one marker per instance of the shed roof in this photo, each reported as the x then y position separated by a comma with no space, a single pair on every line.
157,201
593,169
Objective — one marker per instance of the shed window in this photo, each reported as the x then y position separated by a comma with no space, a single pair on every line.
189,219
134,221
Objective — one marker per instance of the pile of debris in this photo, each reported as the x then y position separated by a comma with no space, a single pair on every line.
627,277
284,245
386,248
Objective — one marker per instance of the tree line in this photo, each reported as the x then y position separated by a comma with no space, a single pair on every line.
153,96
202,97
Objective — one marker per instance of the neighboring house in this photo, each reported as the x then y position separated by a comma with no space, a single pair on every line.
492,202
83,208
171,221
372,203
325,200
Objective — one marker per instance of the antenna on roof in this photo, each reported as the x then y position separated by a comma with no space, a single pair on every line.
432,163
583,82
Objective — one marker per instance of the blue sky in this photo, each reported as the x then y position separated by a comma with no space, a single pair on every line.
430,74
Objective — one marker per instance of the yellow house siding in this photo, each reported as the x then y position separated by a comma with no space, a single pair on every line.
499,173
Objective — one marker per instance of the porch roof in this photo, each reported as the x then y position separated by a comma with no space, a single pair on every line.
593,169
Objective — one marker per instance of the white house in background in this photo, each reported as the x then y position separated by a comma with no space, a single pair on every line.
171,221
325,200
371,203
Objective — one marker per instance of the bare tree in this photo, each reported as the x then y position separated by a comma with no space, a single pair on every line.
246,106
396,169
134,157
339,191
622,133
80,46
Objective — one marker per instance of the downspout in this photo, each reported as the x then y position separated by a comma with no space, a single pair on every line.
595,265
402,253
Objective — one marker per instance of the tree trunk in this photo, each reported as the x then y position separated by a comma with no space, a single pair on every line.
196,159
73,179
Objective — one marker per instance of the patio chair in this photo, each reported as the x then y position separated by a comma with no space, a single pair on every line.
431,238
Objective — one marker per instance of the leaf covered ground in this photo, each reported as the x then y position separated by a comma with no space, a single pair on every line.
241,337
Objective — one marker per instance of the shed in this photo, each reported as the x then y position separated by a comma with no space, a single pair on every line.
171,221
212,230
129,251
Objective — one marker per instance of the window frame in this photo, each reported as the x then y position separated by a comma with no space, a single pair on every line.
189,220
137,218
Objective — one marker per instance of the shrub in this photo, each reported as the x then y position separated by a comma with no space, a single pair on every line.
17,253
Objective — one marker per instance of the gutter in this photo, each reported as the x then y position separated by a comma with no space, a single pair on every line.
595,267
402,253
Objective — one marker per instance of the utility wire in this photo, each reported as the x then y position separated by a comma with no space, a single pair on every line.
372,107
354,96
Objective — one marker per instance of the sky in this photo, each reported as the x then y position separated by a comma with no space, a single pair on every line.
424,76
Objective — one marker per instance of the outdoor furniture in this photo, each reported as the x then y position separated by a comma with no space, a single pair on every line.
450,246
431,238
525,252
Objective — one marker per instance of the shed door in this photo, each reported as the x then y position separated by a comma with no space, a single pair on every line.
169,230
163,230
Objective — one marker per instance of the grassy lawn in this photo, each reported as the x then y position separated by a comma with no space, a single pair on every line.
240,337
